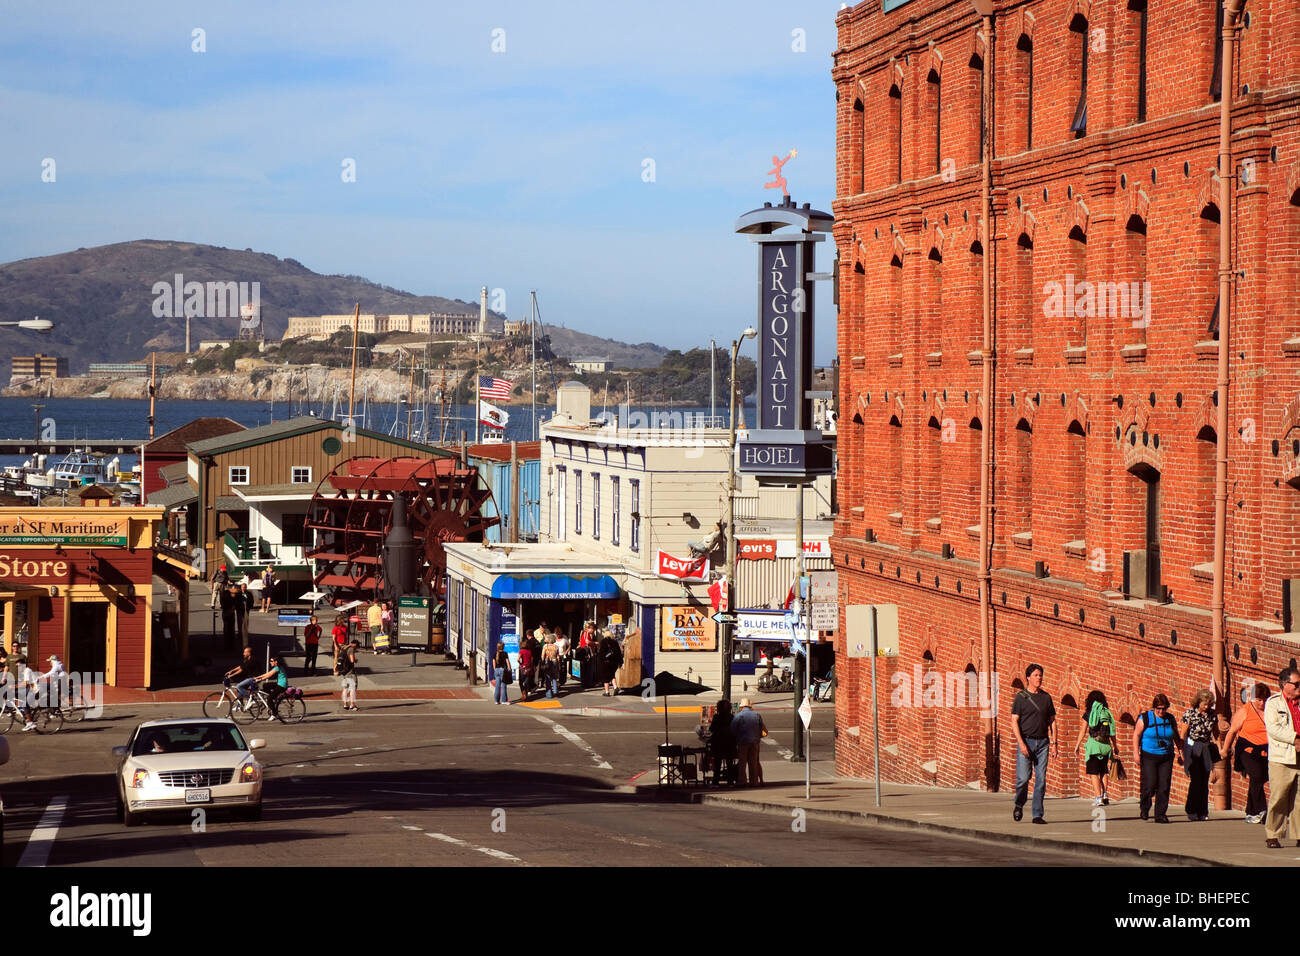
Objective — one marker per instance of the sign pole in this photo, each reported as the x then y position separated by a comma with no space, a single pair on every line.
807,764
799,667
875,711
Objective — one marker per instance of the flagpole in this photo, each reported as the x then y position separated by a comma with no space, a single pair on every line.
478,408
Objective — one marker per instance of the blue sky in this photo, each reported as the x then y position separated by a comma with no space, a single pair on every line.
516,169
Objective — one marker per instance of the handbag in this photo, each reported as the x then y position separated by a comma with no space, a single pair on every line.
507,677
1117,771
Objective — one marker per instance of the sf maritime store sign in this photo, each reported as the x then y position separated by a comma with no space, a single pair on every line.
102,531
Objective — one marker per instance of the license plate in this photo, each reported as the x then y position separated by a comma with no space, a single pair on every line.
199,796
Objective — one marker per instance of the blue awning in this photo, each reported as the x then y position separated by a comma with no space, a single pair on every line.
514,587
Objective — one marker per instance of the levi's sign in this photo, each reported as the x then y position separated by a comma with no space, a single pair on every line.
756,549
682,569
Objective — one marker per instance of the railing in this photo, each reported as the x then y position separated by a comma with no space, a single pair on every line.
244,548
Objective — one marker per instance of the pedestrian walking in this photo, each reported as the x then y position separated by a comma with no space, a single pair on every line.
386,624
229,628
1247,742
1156,744
268,585
244,600
1033,718
501,675
525,671
722,744
1200,754
550,669
609,658
1097,741
311,645
375,623
347,671
220,581
339,635
748,730
1282,718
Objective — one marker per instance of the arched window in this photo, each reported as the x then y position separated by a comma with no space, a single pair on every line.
1079,125
1025,67
857,149
896,131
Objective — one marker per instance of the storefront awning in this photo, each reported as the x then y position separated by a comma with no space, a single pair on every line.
554,586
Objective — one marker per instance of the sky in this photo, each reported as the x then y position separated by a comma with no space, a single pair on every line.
599,153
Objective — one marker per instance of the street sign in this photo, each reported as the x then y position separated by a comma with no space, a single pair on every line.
724,617
805,712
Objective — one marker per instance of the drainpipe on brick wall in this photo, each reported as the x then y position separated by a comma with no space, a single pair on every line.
1218,684
987,358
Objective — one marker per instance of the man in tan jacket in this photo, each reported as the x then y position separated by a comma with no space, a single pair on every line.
1282,717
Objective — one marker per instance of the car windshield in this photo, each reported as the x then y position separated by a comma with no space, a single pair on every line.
187,738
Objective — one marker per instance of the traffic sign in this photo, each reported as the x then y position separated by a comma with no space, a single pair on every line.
724,617
805,712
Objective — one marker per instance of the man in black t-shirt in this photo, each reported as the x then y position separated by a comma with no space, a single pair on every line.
1033,719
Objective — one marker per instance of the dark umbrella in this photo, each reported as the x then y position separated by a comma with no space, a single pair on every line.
666,683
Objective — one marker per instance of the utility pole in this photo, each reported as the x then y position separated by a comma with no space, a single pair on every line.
725,641
532,326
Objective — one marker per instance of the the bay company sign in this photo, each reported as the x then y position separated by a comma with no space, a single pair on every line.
101,530
784,444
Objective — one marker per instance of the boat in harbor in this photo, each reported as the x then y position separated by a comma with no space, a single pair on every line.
78,468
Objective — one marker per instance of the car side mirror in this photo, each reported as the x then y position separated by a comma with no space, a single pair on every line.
119,751
257,743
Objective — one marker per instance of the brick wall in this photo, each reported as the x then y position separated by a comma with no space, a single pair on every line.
1095,402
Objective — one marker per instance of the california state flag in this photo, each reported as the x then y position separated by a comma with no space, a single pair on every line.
492,416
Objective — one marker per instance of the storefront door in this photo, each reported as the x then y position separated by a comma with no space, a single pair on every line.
88,637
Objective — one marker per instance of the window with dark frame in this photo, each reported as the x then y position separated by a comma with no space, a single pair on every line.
1079,127
1216,79
1140,6
635,542
897,95
577,501
595,505
1026,46
937,83
617,514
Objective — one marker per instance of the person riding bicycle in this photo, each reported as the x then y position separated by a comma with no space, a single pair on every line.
57,678
277,682
245,673
26,693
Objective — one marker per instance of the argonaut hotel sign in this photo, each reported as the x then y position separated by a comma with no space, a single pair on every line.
784,444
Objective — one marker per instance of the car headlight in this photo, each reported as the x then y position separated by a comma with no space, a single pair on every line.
249,772
139,778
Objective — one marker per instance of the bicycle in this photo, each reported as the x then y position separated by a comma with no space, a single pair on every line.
289,707
74,707
48,720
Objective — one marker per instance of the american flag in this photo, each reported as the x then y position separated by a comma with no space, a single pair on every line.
494,388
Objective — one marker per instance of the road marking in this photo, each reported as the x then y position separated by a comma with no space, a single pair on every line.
407,826
497,854
41,841
574,739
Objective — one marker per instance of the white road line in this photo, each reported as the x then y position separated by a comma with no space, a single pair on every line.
498,854
574,739
41,841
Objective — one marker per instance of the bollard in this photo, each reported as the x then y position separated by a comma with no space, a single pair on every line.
414,661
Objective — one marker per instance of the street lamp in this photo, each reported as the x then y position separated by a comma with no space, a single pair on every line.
725,642
36,324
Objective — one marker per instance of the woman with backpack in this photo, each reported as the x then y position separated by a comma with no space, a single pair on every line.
501,675
268,584
609,658
347,671
1156,744
1097,741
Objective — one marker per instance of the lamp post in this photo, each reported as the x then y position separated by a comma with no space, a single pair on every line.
36,324
725,642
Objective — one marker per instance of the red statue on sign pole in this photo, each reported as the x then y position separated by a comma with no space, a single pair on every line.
779,182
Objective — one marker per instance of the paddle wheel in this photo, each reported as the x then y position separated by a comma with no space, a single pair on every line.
363,549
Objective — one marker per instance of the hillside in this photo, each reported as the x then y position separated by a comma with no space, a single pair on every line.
101,300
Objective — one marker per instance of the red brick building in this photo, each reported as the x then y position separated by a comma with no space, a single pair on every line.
1105,233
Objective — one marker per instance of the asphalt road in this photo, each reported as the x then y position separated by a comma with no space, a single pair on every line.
446,783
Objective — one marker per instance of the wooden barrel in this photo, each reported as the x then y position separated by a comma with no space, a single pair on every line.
438,637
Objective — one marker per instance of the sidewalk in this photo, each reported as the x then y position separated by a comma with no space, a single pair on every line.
1108,834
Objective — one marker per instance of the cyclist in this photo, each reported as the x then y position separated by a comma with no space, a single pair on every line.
57,678
277,682
246,674
27,679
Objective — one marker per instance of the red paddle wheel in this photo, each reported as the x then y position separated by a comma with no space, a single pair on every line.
352,515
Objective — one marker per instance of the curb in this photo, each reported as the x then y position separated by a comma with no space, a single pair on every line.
869,818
